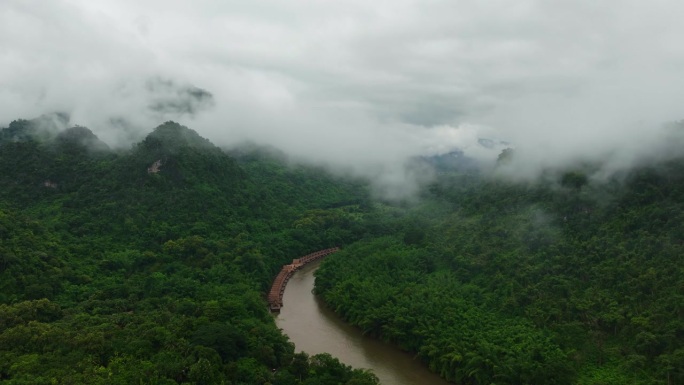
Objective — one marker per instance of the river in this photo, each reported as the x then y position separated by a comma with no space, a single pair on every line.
315,329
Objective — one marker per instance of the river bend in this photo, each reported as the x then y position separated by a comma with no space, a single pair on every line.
315,329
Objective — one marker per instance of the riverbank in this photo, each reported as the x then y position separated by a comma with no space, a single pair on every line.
314,329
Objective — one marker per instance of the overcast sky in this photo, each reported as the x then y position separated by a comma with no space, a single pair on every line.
363,84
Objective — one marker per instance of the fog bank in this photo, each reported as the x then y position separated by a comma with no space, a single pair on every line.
360,86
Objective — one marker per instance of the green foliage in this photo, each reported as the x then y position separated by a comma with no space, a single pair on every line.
113,274
438,317
557,281
150,265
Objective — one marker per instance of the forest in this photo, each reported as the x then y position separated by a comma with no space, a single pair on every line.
565,280
150,265
113,274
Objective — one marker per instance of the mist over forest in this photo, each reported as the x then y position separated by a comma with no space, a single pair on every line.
372,84
505,181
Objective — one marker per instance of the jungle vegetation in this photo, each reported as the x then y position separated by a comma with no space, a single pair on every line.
564,280
150,266
113,274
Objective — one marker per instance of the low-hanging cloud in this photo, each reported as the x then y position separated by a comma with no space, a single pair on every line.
362,86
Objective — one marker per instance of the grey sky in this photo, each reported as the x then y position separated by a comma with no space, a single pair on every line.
360,84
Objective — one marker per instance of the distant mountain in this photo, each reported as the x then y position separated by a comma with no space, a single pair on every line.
457,160
52,130
182,157
81,137
452,161
43,128
492,143
171,136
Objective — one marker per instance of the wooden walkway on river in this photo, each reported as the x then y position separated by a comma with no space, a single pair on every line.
275,296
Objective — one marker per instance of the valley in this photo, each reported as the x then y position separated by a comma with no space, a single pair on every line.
114,274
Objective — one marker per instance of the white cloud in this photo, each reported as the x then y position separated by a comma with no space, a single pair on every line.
370,82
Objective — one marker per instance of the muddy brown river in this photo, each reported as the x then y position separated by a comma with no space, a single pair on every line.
315,329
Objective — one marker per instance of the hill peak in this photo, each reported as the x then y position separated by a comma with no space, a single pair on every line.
42,129
83,137
173,136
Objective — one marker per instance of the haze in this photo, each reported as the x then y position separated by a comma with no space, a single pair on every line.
358,85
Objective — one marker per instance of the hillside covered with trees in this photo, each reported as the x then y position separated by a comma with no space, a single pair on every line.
150,265
565,280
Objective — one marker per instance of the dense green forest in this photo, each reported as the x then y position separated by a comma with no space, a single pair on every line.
148,266
565,280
